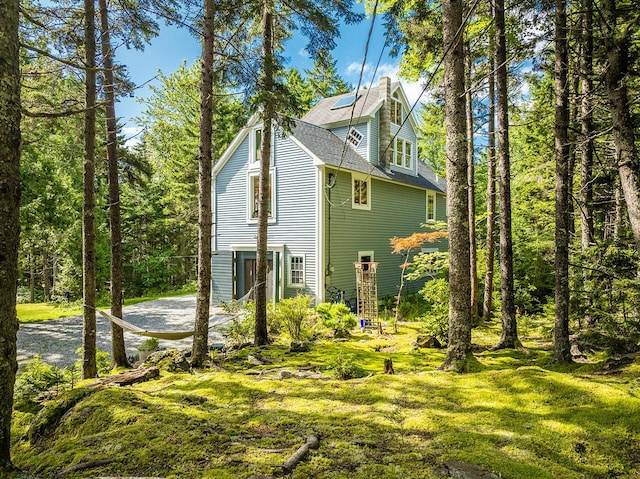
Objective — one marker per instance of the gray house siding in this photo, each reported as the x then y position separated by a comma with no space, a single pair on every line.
221,276
294,227
363,147
396,210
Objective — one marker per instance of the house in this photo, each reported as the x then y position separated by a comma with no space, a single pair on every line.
344,180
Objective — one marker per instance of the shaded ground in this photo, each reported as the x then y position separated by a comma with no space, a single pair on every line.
57,340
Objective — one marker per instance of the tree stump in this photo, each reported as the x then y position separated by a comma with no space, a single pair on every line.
388,366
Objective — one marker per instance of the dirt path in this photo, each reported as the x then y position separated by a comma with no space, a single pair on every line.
57,340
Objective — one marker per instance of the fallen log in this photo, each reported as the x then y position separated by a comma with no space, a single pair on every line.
291,463
132,376
82,466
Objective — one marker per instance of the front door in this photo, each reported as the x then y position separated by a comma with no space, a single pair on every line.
249,274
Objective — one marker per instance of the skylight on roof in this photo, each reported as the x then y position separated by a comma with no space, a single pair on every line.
345,101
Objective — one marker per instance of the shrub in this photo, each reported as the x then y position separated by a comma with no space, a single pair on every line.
295,316
242,327
344,366
336,317
150,344
38,378
436,319
103,361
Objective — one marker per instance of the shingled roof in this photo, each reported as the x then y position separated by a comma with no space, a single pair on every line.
331,150
325,111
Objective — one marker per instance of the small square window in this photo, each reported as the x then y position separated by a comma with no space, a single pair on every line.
296,271
354,138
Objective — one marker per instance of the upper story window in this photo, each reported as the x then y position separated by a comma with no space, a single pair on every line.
253,195
402,153
361,192
354,137
396,110
431,206
257,144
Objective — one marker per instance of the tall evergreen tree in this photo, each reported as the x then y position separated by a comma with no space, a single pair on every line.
509,338
9,211
201,331
562,349
118,351
89,366
459,344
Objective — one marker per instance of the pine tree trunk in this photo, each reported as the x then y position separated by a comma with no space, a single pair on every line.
487,305
268,81
562,349
89,367
586,153
9,212
626,157
46,286
200,349
32,277
473,253
118,351
459,347
509,338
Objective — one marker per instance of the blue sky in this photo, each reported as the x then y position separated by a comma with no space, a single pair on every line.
174,46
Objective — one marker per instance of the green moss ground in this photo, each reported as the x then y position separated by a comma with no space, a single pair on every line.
519,416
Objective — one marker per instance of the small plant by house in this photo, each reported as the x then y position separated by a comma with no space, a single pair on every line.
337,318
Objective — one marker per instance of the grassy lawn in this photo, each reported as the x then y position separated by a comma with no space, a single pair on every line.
518,416
33,312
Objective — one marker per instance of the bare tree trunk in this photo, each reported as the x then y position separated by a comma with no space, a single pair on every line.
586,153
200,350
46,285
459,348
118,351
32,277
618,213
487,305
562,348
627,160
509,338
89,367
473,253
10,214
261,336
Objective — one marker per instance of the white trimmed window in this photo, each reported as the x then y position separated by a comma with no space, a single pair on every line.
402,153
431,206
354,138
296,271
253,195
396,112
361,191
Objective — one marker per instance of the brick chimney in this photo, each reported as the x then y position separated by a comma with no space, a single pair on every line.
384,134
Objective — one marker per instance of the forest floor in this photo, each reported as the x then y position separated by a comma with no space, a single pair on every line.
517,415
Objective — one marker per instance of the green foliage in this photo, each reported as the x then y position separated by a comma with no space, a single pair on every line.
295,316
150,344
242,327
436,318
38,378
344,366
103,361
336,317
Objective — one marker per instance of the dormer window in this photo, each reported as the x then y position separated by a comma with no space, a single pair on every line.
354,138
396,110
402,153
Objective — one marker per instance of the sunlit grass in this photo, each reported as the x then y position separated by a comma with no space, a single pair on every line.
519,416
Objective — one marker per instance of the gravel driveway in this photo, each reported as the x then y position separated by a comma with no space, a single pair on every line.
57,340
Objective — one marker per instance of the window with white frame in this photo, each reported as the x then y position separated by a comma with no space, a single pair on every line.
257,145
431,206
354,138
396,110
361,192
296,271
253,195
402,153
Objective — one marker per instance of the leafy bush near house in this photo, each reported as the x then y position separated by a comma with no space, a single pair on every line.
242,327
337,317
38,378
294,316
436,318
